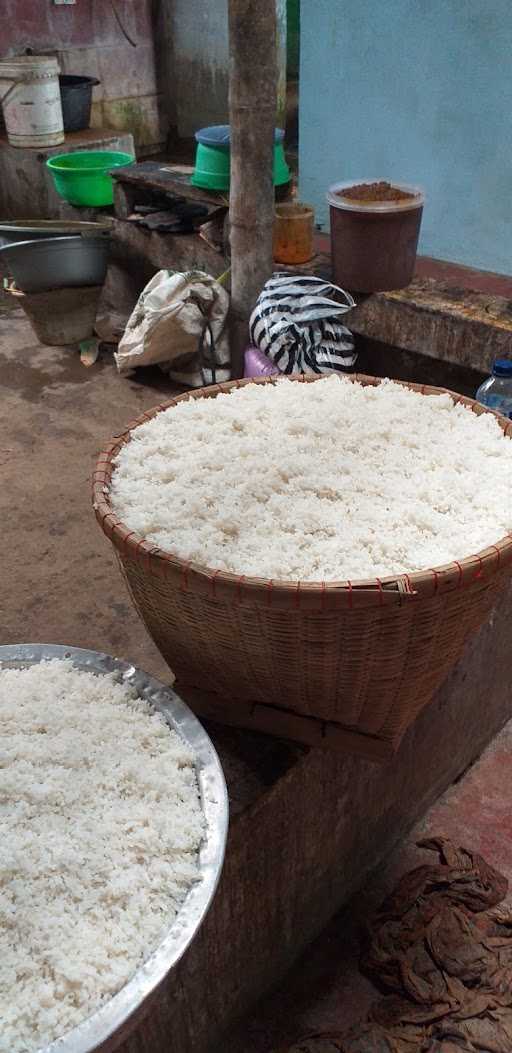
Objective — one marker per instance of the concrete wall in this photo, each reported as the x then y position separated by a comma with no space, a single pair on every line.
88,39
200,44
293,38
195,34
418,90
176,78
27,190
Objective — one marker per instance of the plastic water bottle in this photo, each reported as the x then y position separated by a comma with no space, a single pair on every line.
496,391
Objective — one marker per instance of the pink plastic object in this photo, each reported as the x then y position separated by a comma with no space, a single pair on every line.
256,364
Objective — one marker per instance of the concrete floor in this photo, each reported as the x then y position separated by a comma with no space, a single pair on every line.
60,584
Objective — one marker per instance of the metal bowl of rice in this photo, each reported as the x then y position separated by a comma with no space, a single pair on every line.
122,1010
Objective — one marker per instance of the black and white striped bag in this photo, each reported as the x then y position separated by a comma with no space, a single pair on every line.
296,325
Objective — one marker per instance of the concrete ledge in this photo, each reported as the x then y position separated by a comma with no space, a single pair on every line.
440,320
305,845
26,186
450,313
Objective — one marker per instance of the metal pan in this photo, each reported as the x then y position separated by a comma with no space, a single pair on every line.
125,1009
57,263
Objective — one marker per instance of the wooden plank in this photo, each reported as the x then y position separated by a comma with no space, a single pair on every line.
283,723
123,199
252,118
171,179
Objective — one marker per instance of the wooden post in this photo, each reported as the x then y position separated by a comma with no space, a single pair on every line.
253,105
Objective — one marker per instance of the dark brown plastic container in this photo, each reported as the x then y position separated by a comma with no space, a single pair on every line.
374,243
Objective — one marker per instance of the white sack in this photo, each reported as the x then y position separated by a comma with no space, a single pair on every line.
179,323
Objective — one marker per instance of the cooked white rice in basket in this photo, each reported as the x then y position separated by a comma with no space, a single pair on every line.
100,825
317,482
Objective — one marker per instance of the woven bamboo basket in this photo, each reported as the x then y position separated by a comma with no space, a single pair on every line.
347,665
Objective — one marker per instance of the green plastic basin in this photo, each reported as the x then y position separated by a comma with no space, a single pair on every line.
212,167
82,177
281,171
211,170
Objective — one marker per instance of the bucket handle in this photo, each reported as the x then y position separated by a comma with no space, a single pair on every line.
13,83
288,279
92,82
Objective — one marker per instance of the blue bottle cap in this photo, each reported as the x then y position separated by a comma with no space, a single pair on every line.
502,367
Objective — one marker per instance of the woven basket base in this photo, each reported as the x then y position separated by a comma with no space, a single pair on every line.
284,723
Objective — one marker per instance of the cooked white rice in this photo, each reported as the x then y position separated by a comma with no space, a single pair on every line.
100,824
320,482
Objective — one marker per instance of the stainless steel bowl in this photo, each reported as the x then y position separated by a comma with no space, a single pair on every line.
126,1007
57,263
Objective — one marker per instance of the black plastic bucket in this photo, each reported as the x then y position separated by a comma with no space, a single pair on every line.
76,96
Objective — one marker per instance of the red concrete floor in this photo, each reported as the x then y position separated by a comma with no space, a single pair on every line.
442,270
326,991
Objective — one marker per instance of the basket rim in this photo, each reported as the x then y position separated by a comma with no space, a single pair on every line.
391,589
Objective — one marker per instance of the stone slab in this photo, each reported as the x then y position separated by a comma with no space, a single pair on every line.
437,319
449,314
